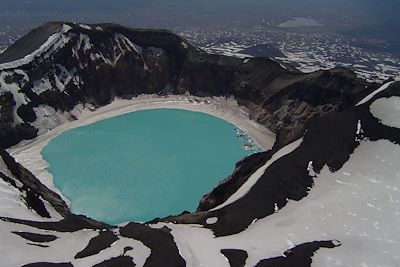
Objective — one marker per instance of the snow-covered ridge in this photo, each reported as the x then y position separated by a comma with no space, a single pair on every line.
59,76
53,43
59,39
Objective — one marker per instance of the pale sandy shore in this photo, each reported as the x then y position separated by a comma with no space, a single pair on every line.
28,153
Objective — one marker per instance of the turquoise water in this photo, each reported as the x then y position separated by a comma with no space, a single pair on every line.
143,165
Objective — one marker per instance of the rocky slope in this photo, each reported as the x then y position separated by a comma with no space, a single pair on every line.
95,64
319,127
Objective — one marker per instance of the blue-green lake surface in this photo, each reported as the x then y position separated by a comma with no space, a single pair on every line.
143,165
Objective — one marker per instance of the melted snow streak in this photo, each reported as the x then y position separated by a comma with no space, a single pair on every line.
370,96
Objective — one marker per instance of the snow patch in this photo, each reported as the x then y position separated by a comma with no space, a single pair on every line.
85,26
42,85
387,110
310,169
276,208
128,44
212,220
47,118
228,49
184,45
66,28
359,130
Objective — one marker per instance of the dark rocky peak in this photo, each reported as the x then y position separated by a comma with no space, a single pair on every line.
30,42
38,37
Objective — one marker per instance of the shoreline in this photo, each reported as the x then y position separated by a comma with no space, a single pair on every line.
28,152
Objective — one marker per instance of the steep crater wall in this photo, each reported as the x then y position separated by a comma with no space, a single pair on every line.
96,63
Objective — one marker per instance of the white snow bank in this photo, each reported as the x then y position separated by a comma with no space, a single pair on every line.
370,96
85,26
212,220
122,40
387,110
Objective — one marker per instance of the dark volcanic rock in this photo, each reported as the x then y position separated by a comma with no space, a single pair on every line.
288,177
104,240
231,184
29,43
263,50
34,187
120,261
329,140
36,237
299,256
371,126
236,257
34,202
71,223
48,264
164,251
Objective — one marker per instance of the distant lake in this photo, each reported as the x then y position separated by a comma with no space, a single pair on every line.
300,22
145,164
